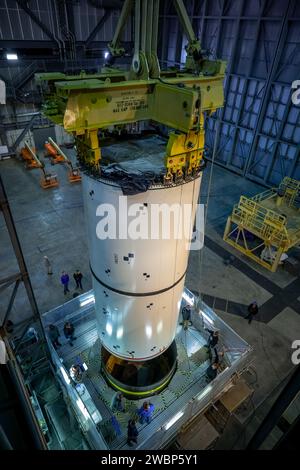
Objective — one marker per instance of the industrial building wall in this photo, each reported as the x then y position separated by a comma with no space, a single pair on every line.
259,126
69,29
82,17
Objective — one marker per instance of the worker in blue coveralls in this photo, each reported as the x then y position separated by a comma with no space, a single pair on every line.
65,281
145,412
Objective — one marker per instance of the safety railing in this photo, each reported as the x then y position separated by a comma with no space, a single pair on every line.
263,222
268,194
201,394
291,191
86,420
193,400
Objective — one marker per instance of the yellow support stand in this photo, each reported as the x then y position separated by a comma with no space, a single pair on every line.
273,220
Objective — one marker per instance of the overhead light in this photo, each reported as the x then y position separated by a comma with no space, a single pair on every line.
106,54
207,318
10,56
89,300
188,299
173,420
65,375
205,392
82,408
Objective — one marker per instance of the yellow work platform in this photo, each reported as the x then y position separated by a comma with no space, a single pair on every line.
267,225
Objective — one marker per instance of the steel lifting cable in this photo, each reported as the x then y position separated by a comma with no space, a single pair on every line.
201,255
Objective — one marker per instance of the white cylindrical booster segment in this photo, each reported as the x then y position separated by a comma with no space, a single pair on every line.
139,269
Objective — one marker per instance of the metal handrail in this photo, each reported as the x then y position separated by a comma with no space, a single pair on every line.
263,222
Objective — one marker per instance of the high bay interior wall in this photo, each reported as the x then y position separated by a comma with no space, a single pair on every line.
260,125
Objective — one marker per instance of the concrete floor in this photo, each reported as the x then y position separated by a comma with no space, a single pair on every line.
51,222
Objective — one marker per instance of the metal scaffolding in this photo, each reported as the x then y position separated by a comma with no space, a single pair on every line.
267,225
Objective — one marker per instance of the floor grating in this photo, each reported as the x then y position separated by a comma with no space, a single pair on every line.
192,364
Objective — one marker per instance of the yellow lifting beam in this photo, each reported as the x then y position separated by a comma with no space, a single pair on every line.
90,104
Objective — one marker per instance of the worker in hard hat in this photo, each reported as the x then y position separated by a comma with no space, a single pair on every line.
53,334
252,311
118,403
78,279
48,265
186,316
145,412
69,331
76,373
132,432
211,372
213,338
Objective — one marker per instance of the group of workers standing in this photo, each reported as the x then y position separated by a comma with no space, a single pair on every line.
145,412
144,415
54,334
213,339
215,356
76,370
65,278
